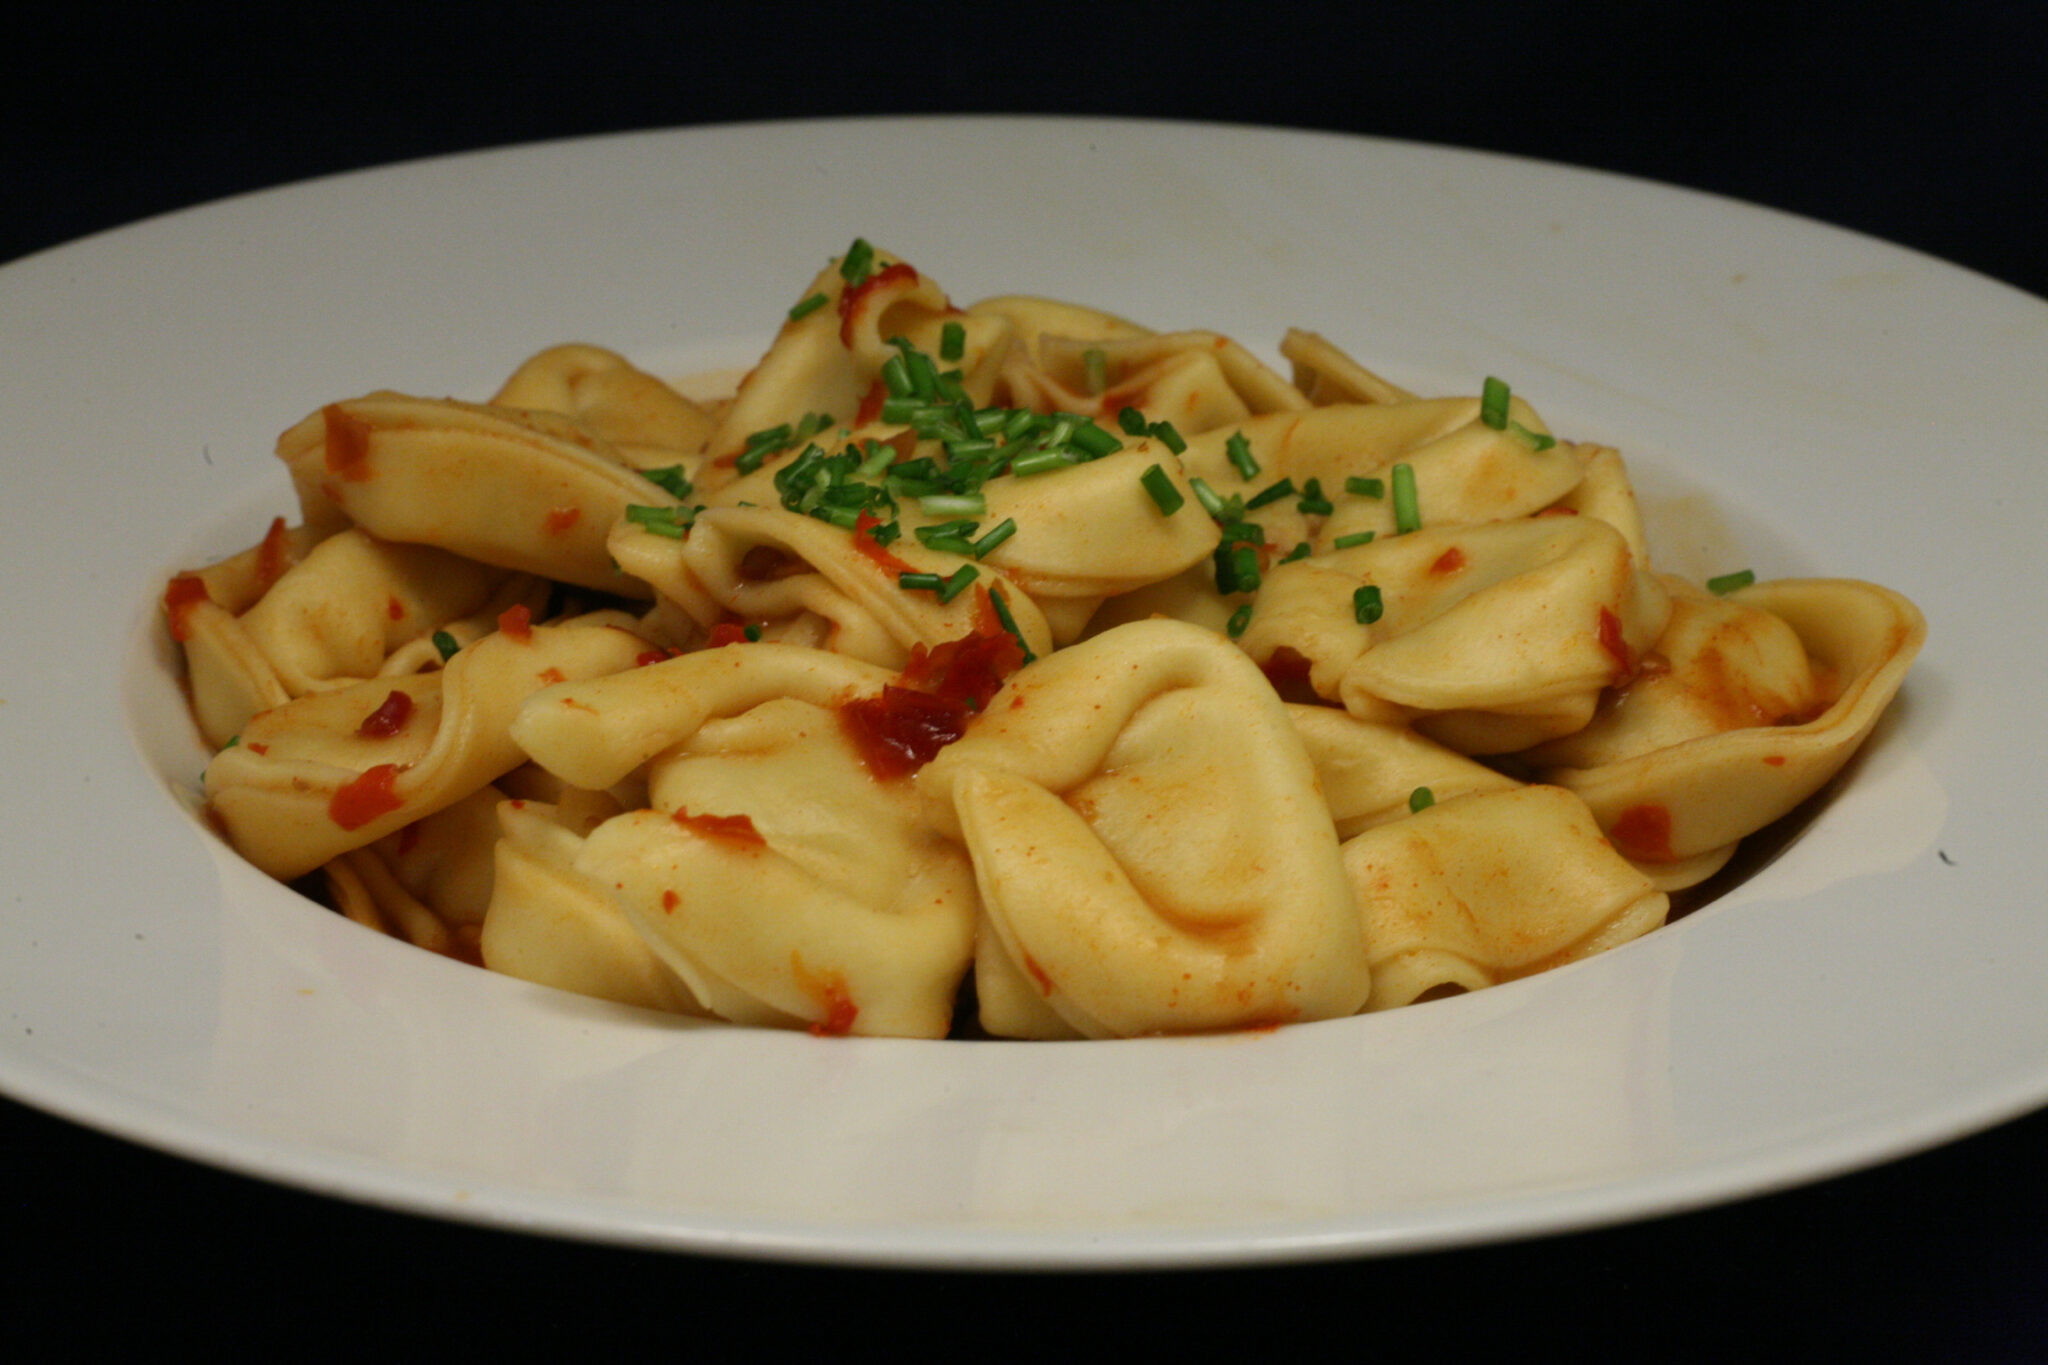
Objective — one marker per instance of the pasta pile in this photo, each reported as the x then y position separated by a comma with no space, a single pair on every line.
1011,662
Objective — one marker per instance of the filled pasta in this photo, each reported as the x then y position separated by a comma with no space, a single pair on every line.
1005,670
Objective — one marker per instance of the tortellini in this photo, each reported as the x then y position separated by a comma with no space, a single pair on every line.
1009,670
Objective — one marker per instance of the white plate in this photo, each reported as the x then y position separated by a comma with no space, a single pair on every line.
1793,399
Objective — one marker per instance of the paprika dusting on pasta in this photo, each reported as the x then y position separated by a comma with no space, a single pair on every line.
366,797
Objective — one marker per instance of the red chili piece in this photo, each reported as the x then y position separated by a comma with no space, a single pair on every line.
366,798
348,443
184,592
388,719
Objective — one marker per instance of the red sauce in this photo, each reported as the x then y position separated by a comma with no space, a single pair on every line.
728,633
840,1011
1615,643
871,404
969,670
560,519
517,622
388,719
348,444
273,556
1038,974
408,839
1644,833
855,300
656,656
1453,559
366,798
669,901
184,592
864,540
394,608
258,749
1775,760
551,676
737,830
901,729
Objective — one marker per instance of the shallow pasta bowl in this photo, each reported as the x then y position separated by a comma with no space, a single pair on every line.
1791,398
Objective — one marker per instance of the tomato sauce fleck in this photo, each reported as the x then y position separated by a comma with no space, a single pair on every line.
728,633
669,901
517,622
273,556
870,410
394,608
1038,974
388,719
348,444
854,301
969,670
901,729
737,830
1615,643
560,519
864,540
1644,832
366,798
1453,559
184,592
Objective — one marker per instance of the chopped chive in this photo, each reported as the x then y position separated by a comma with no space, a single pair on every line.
1040,462
954,586
807,307
919,582
753,634
1407,509
1131,420
879,457
1094,442
952,341
1211,500
954,505
1420,800
1239,451
1159,484
997,534
1365,488
1272,492
1168,437
1366,606
1239,619
670,479
859,260
1300,551
1313,503
447,644
662,521
896,377
1095,366
1730,582
1538,439
1493,403
948,530
1009,623
1355,538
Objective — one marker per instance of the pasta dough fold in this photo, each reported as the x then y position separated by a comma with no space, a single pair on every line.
1152,851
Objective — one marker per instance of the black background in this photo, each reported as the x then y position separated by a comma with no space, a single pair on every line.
1922,125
